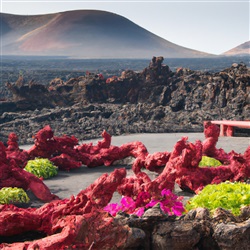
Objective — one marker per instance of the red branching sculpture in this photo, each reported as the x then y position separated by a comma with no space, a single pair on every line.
14,153
80,221
66,153
76,222
179,166
12,175
212,132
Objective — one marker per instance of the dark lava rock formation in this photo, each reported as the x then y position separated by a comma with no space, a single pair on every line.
154,100
198,229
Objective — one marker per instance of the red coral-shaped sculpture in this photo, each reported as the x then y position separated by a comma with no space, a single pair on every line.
180,166
183,169
77,221
47,145
65,162
13,176
212,132
13,152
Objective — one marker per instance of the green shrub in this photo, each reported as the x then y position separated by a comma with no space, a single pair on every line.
13,195
227,195
41,167
207,161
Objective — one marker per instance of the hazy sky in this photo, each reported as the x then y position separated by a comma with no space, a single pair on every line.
209,26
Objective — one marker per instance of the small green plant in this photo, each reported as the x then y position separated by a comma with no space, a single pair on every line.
13,195
207,161
41,167
227,195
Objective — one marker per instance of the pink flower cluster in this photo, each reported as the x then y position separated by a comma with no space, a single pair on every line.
169,203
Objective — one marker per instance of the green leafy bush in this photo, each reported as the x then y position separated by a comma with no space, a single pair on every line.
207,161
13,195
227,195
41,167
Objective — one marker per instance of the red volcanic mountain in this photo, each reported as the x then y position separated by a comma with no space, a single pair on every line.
84,34
241,50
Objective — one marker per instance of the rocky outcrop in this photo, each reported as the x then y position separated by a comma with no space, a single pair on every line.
87,122
154,100
198,229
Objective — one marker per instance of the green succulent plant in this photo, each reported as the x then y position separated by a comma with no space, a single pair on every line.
13,195
41,167
227,195
207,161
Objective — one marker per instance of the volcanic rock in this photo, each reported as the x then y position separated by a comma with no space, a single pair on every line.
198,229
154,100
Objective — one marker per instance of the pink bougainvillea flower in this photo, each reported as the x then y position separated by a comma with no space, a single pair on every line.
168,193
169,203
178,208
139,211
112,208
152,203
128,204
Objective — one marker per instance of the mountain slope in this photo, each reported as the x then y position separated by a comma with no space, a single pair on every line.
84,34
242,49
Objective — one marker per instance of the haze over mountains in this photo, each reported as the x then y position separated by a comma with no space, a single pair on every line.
85,34
241,50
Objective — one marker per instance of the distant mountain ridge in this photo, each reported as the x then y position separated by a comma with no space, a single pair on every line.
240,50
85,34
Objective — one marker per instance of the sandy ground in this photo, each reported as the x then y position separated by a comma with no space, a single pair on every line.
66,184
